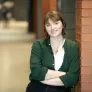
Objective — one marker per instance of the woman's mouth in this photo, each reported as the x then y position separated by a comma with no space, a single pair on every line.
54,31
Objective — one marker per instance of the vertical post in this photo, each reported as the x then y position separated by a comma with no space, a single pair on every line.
84,38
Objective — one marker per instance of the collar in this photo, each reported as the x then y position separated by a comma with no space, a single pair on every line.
48,42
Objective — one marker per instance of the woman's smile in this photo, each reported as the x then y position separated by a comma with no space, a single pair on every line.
54,31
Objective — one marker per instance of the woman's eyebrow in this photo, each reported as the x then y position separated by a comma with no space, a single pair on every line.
47,23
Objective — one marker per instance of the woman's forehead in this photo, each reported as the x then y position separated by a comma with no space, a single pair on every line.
49,20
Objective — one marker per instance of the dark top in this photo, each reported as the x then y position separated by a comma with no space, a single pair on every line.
42,59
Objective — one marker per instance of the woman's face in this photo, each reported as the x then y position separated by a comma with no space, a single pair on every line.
54,29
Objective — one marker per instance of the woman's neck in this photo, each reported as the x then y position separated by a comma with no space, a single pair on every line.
56,40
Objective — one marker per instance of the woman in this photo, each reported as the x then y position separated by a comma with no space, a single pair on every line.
54,61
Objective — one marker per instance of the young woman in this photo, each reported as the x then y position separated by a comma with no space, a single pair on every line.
54,60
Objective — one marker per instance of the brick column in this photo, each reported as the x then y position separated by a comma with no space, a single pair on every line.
84,38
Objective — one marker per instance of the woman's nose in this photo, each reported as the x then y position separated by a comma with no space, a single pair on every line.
52,26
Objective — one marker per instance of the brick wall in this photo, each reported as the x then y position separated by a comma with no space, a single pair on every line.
84,38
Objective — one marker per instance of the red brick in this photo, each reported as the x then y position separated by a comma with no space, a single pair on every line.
78,36
83,29
78,20
84,12
87,4
78,4
86,91
86,62
83,4
86,29
83,37
86,78
86,86
83,21
78,12
86,54
86,37
87,12
86,21
86,70
86,45
78,41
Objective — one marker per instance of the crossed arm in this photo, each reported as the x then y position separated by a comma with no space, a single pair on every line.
52,78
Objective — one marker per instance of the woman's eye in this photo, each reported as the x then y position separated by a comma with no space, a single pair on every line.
47,25
56,22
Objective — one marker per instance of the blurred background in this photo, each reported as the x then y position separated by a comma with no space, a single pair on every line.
21,22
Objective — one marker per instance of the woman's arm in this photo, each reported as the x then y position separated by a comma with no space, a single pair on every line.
38,71
54,82
52,78
72,76
53,74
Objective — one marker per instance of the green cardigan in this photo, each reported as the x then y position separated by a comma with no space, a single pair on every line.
42,59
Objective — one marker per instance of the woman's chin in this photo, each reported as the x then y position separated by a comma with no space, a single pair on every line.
54,36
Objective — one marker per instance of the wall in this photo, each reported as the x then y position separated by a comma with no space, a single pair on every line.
84,38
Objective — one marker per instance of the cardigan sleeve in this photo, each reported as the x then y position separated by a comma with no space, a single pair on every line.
72,76
38,71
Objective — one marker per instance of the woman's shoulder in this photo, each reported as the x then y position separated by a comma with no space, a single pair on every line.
71,43
39,41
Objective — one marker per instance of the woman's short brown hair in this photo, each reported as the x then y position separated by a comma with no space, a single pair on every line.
54,16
